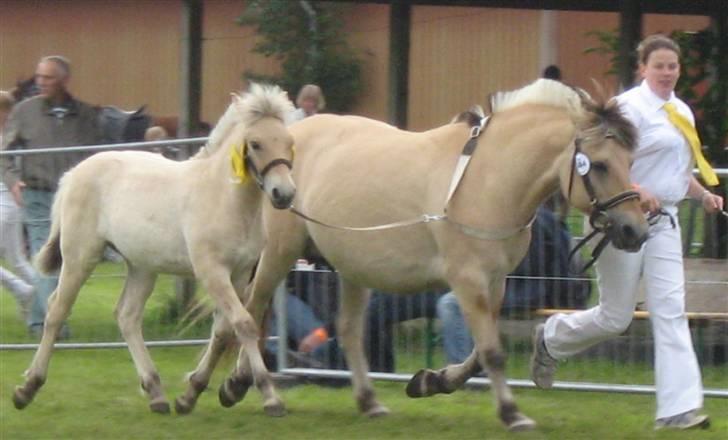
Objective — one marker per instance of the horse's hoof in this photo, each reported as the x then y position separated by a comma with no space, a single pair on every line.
159,406
20,399
426,383
232,392
183,406
522,423
377,411
275,410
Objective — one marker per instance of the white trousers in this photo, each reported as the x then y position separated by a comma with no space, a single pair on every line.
12,248
660,263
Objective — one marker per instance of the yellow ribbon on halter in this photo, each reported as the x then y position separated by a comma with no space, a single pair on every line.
237,160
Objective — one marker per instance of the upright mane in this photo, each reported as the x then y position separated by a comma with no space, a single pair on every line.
595,118
541,91
261,101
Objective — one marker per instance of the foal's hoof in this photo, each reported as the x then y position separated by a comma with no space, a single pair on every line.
159,406
183,406
20,398
377,411
426,383
522,423
232,391
275,410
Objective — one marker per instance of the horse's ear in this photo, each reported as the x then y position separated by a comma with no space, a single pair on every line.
237,101
586,100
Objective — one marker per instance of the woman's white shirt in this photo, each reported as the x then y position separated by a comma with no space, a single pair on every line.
663,162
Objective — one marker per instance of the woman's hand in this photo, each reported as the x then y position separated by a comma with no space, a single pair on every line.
712,202
648,201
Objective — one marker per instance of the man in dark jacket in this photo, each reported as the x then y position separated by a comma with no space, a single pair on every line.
52,119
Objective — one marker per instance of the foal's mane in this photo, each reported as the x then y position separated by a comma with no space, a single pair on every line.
261,101
595,118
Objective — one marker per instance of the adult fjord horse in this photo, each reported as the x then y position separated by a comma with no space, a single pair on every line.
355,172
195,218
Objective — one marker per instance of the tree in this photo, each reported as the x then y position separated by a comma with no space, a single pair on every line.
307,37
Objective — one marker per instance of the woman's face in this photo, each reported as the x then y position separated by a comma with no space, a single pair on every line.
309,106
661,72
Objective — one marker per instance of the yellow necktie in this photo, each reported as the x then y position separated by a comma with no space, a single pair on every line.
687,130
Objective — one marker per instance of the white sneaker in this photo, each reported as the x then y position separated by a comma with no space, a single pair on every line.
687,420
543,366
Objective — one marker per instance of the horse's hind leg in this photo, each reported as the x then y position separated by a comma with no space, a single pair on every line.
129,313
73,275
350,326
197,380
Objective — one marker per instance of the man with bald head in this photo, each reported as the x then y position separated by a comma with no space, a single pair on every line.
52,119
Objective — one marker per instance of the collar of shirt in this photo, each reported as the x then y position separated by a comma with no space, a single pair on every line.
654,102
67,107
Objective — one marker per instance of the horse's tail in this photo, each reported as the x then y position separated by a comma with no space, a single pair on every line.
49,258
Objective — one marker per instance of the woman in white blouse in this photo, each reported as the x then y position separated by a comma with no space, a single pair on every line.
662,172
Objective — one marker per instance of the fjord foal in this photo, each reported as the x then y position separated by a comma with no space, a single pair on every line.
201,218
355,172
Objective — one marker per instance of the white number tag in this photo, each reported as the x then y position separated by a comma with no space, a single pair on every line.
583,165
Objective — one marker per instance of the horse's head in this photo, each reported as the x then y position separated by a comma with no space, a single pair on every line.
267,146
598,174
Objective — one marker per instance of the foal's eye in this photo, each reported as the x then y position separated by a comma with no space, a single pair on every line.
600,167
254,145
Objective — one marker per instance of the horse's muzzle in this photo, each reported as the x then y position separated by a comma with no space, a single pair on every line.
628,236
282,199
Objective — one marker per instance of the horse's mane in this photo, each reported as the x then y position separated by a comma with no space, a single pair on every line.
261,101
594,117
541,91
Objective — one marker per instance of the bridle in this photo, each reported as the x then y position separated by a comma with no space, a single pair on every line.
259,176
598,218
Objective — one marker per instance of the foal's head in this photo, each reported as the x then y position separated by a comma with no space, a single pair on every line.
599,177
265,149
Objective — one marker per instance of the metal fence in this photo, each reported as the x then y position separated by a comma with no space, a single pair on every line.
411,341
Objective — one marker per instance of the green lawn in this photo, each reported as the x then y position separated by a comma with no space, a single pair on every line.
93,394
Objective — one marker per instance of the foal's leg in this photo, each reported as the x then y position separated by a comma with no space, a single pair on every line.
274,264
350,326
197,380
73,275
216,280
129,313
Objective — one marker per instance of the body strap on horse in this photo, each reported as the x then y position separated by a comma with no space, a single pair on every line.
463,161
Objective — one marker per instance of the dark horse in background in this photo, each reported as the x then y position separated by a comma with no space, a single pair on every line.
117,125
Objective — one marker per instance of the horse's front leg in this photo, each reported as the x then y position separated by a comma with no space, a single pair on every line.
218,284
481,303
350,328
222,334
427,382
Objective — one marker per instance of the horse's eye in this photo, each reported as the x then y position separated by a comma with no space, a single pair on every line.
254,145
600,167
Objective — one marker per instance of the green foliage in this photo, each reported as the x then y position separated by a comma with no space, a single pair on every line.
307,37
699,61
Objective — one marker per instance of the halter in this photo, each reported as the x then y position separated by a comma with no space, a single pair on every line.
259,176
598,219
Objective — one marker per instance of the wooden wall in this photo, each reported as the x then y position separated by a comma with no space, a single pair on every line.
127,52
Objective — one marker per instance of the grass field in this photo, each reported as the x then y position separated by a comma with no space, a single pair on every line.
94,393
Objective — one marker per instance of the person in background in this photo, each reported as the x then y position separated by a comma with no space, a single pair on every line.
53,119
12,243
667,149
310,100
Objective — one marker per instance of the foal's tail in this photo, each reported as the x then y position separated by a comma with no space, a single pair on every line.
49,259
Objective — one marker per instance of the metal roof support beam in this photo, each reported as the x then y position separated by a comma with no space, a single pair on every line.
399,44
630,34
